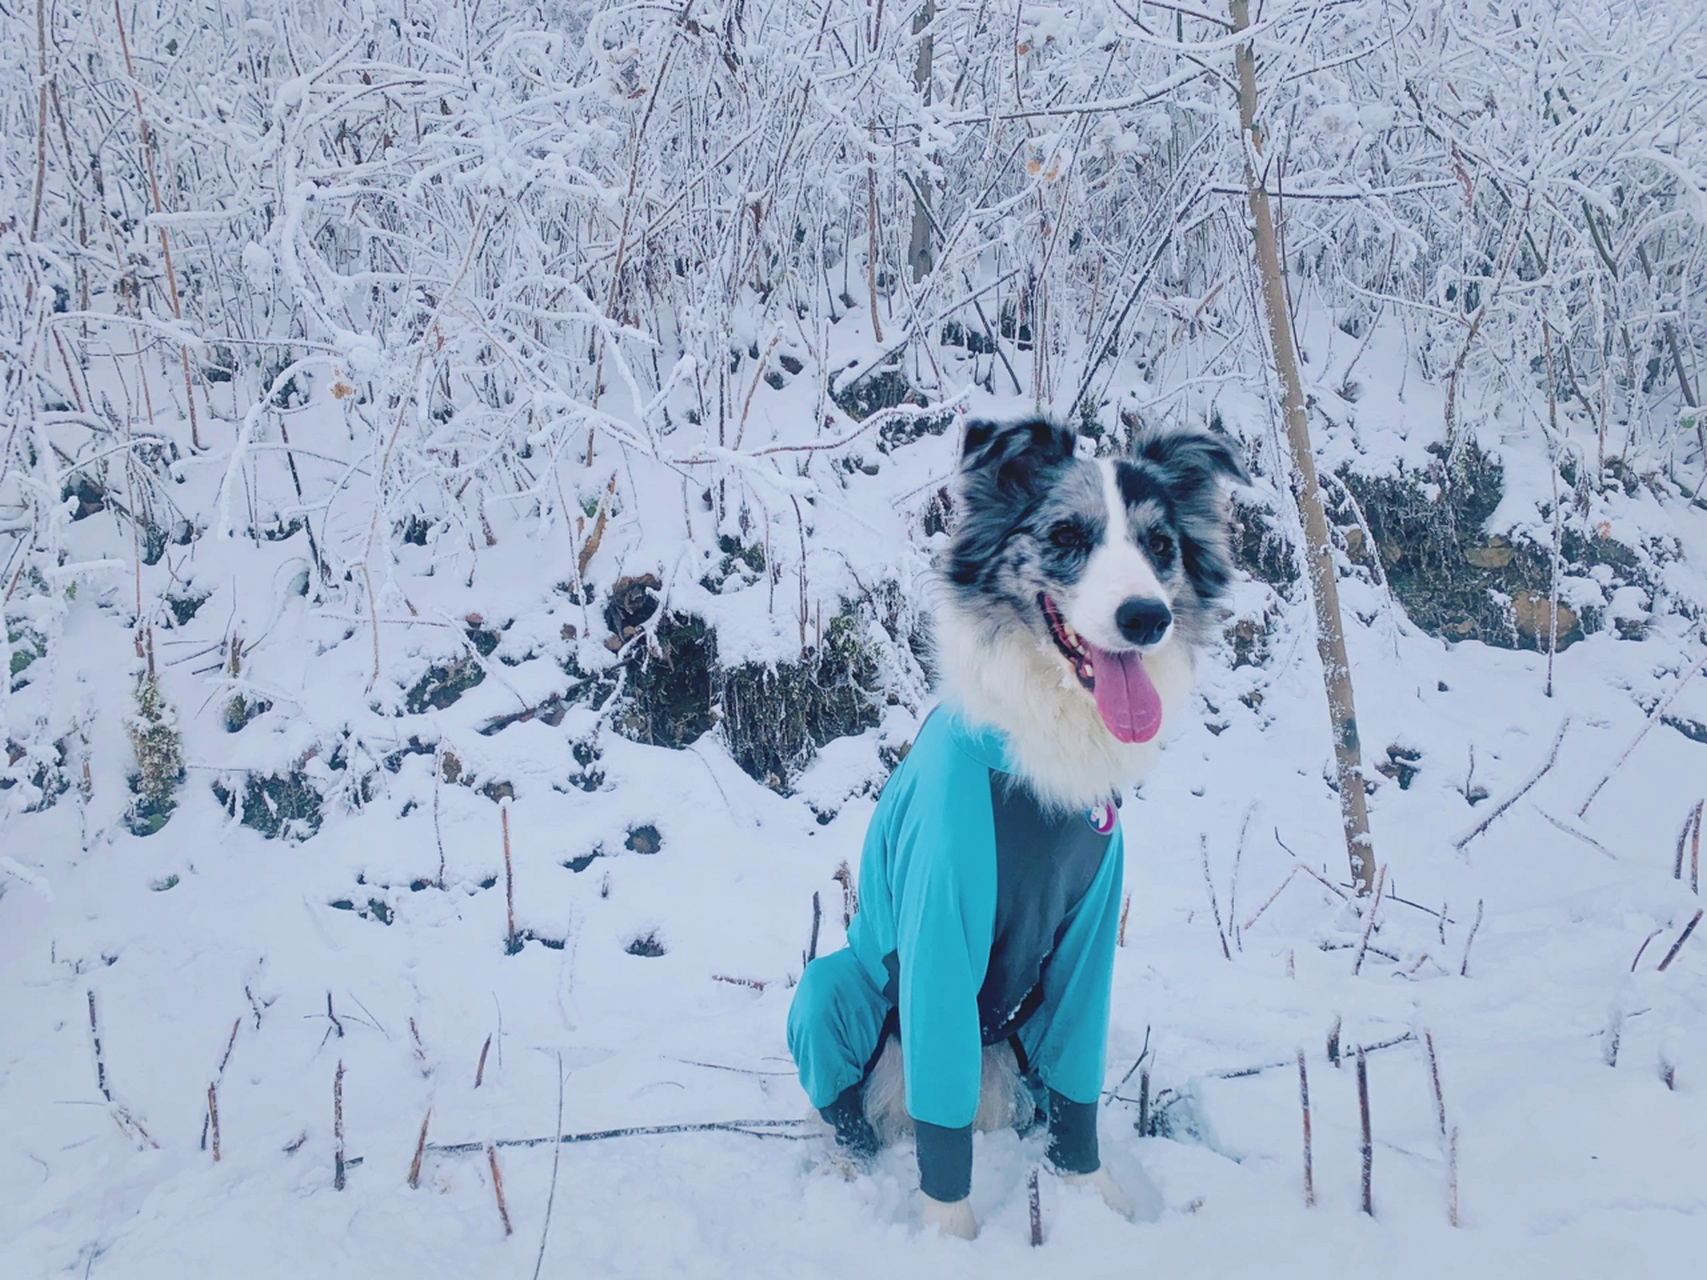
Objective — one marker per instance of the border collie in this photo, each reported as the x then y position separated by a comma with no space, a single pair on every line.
974,990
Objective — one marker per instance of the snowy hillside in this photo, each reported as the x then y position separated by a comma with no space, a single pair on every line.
471,477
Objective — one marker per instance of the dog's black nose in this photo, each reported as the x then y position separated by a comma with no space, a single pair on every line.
1143,621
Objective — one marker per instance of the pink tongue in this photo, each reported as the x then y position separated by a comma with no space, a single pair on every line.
1126,697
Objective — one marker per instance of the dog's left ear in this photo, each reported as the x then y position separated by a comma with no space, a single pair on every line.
1196,457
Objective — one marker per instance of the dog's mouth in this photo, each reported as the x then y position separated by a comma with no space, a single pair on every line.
1126,697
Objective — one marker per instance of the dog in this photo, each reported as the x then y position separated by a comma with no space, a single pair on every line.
1073,597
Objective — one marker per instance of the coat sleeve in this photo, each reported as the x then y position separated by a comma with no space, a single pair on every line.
945,919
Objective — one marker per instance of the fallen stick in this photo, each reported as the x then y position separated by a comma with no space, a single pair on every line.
1120,934
498,1188
1369,924
1681,939
1036,1211
1269,901
791,1129
420,1151
1304,1100
1653,719
757,984
1368,1145
1571,831
480,1070
1514,797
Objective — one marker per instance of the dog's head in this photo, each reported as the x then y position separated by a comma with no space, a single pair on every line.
1110,559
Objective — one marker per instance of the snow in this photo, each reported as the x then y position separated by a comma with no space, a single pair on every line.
1566,1164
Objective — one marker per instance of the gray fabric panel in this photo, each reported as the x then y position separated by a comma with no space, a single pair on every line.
1044,865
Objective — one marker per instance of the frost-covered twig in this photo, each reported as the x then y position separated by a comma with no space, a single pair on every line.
498,1188
1209,883
1304,1101
1654,717
1681,939
1514,797
1368,1144
1464,966
1369,922
556,1156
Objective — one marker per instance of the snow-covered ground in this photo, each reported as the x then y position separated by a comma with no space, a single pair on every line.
211,955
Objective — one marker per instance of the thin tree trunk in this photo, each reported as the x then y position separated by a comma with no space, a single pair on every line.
919,243
1330,634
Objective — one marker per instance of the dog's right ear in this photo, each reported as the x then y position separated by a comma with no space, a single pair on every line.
1014,452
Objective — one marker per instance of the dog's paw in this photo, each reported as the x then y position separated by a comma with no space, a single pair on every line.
952,1218
1114,1195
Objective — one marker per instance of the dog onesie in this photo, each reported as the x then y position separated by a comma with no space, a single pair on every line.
984,918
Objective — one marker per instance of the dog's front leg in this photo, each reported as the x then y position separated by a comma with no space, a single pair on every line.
951,1217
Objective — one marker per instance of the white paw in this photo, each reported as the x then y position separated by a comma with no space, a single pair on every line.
1114,1195
952,1218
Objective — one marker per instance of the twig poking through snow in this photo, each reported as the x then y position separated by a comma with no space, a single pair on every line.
100,1063
1448,1137
480,1070
1334,1041
1120,934
556,1156
1144,1103
817,920
1368,1145
1659,710
511,946
420,1151
1452,1176
1464,967
213,1119
850,895
1503,805
338,1127
1304,1100
1209,883
1681,939
1642,949
1369,924
1036,1211
498,1188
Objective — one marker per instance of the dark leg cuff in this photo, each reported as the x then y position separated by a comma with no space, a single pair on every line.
847,1115
945,1161
1073,1135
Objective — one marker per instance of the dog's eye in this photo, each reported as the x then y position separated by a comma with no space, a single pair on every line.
1068,536
1160,546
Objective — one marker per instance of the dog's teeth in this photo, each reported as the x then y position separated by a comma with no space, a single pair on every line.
1090,670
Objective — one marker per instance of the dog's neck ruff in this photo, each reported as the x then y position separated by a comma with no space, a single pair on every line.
1009,678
